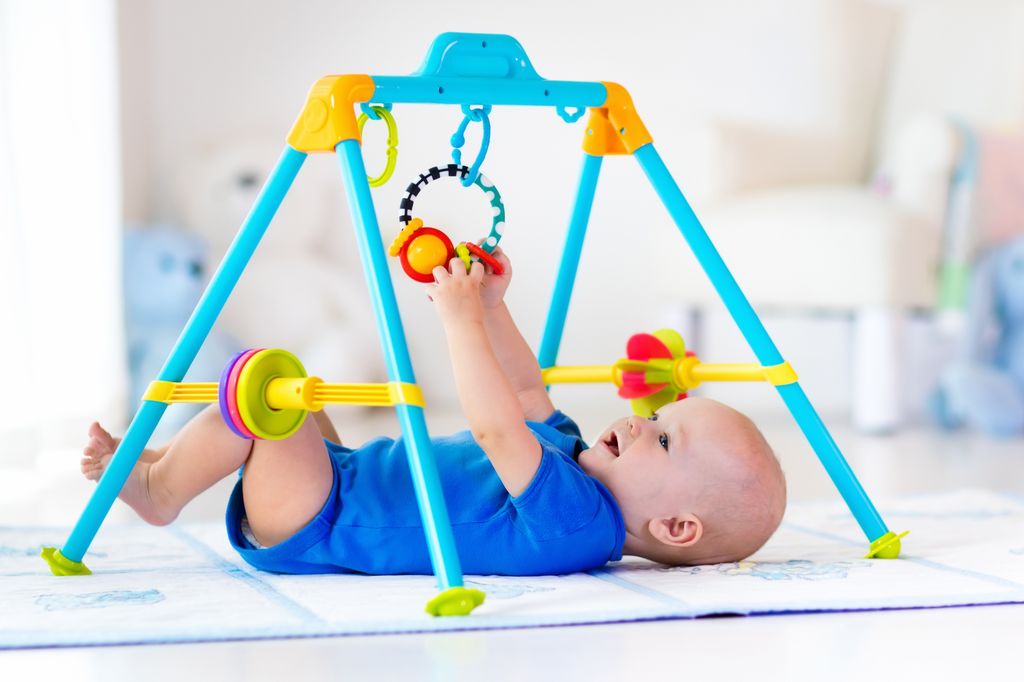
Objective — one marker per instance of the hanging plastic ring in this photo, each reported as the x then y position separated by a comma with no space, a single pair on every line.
382,113
459,139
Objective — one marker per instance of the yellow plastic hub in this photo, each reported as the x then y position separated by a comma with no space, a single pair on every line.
294,393
683,378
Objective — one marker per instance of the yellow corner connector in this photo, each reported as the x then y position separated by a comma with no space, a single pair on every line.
780,375
329,114
614,127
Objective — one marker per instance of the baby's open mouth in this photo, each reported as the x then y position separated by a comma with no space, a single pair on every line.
612,443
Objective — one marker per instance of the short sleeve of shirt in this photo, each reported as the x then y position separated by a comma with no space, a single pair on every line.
563,502
562,423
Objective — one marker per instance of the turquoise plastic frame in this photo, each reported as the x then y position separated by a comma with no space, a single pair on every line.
461,69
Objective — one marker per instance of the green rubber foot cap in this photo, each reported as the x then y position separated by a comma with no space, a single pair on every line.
61,565
455,601
886,547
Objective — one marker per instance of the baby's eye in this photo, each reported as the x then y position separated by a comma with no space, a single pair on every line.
653,417
663,441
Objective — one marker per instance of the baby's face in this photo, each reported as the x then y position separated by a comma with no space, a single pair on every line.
654,465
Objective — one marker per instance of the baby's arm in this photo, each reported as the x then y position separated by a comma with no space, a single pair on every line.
488,400
513,353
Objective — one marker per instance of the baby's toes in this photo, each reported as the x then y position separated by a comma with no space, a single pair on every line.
101,436
90,467
94,450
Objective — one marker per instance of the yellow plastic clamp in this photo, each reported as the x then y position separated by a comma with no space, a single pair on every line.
173,392
159,391
780,375
406,394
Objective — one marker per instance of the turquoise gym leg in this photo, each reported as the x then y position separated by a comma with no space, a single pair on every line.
184,352
427,483
757,337
559,308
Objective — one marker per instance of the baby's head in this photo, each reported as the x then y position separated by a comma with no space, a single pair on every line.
697,483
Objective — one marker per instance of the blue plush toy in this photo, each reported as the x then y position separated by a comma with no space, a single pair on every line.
985,388
163,280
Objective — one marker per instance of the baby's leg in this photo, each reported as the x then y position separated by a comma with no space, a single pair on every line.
164,480
286,482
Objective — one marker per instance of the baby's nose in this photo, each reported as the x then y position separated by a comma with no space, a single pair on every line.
634,425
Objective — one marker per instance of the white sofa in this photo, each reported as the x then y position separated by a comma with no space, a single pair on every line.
848,219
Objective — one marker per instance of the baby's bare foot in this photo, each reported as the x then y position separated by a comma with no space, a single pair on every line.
135,491
101,448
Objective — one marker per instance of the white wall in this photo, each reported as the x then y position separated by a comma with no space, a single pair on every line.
198,74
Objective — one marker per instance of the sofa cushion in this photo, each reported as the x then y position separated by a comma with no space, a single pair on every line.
830,247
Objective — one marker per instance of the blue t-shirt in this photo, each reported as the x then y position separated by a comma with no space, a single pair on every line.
564,521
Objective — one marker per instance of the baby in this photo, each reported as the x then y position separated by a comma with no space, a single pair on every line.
696,483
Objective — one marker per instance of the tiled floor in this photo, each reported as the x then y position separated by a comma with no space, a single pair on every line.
961,643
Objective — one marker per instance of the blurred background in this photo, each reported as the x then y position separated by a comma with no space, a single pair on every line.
858,164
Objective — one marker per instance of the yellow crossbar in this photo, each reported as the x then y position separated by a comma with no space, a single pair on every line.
694,372
307,393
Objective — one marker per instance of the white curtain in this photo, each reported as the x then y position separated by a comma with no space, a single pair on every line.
61,338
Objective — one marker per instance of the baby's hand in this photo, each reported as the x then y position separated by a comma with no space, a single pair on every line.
457,293
494,286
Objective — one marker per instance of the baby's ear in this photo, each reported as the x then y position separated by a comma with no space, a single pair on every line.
677,531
